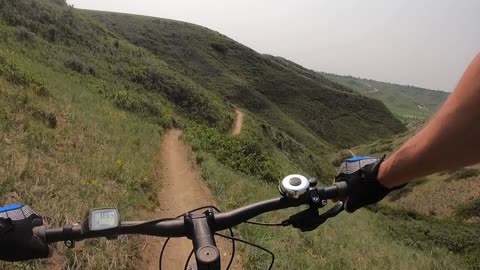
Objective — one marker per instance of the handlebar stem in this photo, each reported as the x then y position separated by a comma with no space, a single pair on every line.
204,246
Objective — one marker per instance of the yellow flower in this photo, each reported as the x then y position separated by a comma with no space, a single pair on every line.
94,182
119,162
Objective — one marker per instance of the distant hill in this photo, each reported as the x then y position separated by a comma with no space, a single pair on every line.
306,105
406,102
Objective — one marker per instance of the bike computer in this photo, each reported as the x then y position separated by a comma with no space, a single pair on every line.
100,219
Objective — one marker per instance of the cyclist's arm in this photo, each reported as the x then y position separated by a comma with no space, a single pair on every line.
451,139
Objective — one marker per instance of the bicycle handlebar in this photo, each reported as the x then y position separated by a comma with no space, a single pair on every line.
178,227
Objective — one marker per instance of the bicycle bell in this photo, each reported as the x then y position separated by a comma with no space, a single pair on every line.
294,185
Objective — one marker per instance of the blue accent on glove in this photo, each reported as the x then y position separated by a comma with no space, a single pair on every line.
10,207
357,158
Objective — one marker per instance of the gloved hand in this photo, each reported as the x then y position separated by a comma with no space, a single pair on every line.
17,241
363,188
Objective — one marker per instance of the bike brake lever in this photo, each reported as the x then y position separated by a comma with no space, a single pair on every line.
335,210
310,219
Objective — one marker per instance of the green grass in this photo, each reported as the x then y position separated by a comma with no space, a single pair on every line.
303,103
463,173
83,105
260,150
408,103
95,155
349,241
427,233
469,210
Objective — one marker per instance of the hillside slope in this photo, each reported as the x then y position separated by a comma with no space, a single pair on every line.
285,95
408,103
82,111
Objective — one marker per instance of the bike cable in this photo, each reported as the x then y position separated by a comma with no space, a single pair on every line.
188,260
266,224
251,244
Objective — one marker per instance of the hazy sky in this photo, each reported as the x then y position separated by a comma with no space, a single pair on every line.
425,43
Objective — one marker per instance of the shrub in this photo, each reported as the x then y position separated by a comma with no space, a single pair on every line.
60,2
239,153
92,71
463,173
426,232
385,148
52,33
76,64
12,72
189,98
469,210
219,47
24,34
49,119
341,156
143,106
397,194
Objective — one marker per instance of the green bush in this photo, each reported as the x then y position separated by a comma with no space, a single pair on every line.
23,34
76,64
463,173
240,153
48,118
340,157
189,98
469,210
136,104
397,194
52,33
13,73
219,47
425,233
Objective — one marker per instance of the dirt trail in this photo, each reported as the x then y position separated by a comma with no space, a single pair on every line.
182,190
238,123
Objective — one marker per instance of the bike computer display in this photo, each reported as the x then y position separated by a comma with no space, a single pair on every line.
103,219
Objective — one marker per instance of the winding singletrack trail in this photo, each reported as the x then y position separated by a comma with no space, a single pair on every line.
182,190
238,123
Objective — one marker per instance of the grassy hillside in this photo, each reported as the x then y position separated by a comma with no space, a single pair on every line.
455,192
408,103
307,106
82,109
441,210
65,149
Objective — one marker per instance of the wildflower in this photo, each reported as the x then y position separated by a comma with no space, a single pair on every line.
119,162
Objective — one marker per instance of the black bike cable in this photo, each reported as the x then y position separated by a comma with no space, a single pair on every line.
161,253
253,245
265,224
188,260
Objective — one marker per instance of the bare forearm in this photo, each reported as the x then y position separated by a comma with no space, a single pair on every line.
450,140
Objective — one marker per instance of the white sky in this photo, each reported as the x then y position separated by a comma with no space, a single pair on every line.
426,43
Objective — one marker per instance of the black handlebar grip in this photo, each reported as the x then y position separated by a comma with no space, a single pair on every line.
40,232
342,189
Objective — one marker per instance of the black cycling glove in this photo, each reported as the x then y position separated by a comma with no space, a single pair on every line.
17,241
363,188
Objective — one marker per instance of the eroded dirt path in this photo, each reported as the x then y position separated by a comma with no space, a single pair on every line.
182,190
238,123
